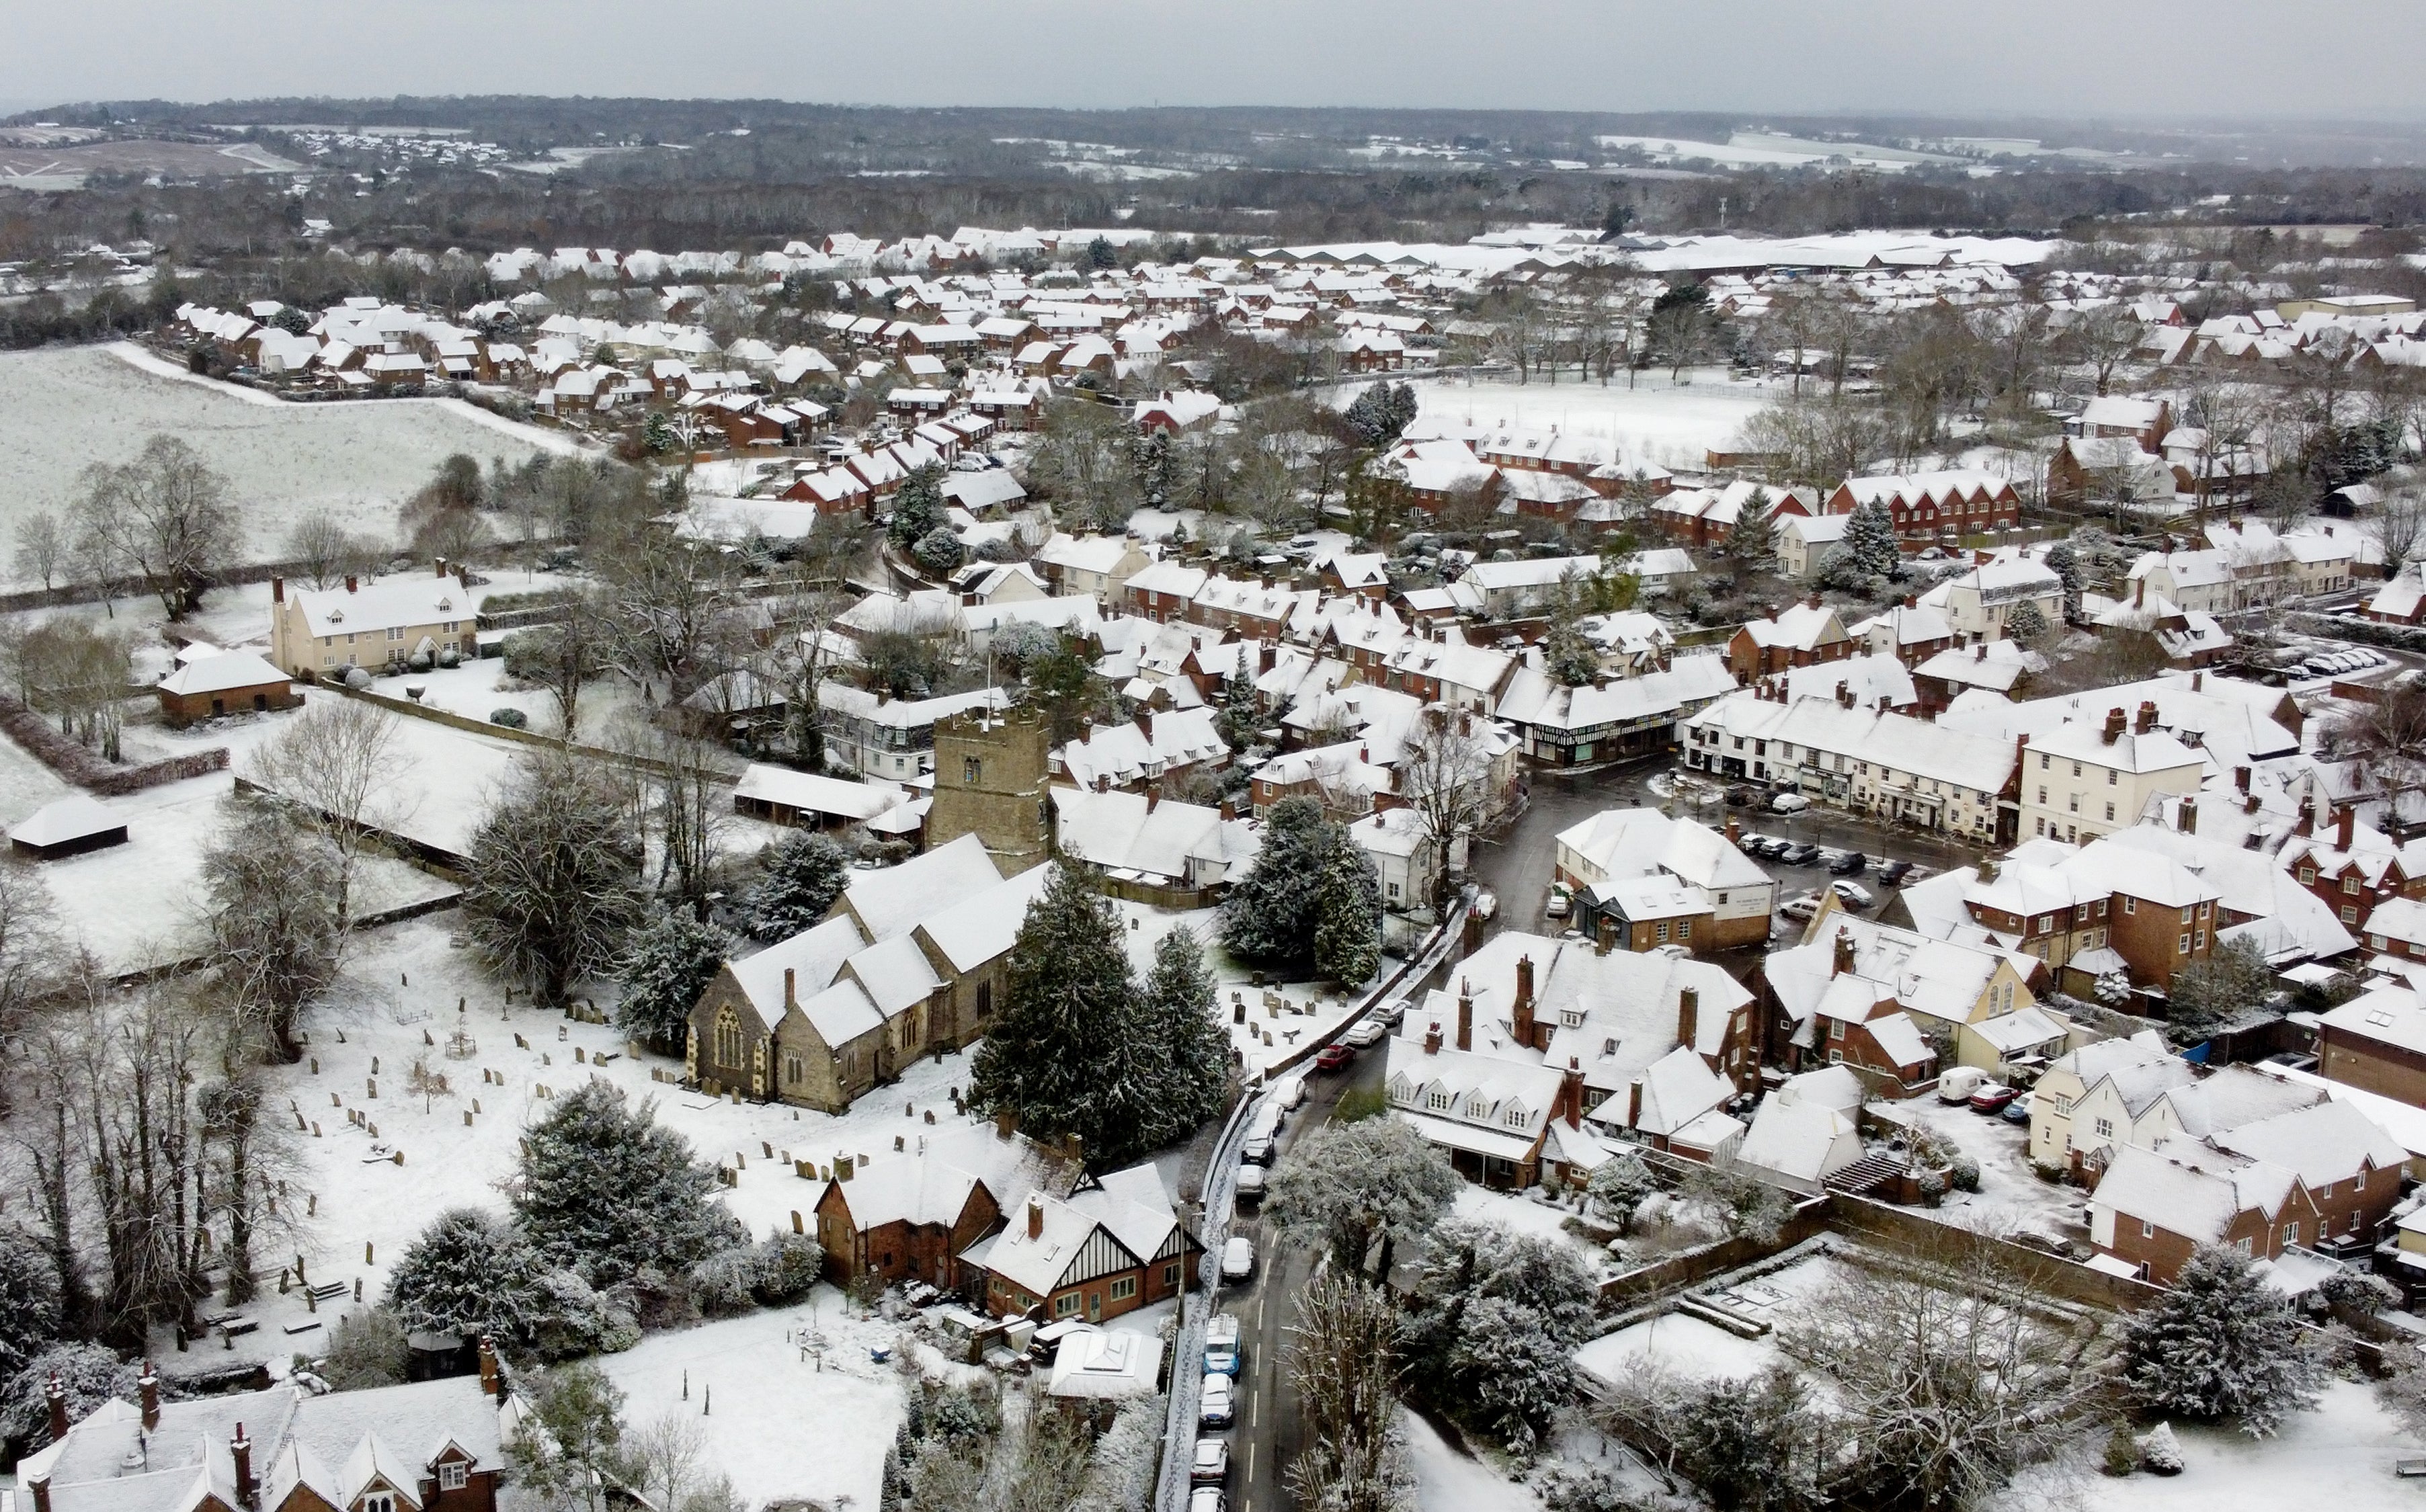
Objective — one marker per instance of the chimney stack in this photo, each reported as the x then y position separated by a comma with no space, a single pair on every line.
1523,1011
490,1385
277,589
791,982
1035,1216
2240,778
2346,821
1988,869
1465,1016
2148,720
55,1395
1843,960
1145,725
1571,1092
1432,1039
1689,1015
148,1387
351,585
1734,831
39,1486
2187,821
241,1448
440,565
2139,592
2114,722
1634,1103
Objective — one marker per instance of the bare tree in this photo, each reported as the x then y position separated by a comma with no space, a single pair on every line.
41,546
164,516
668,1457
337,765
2395,526
2100,340
321,548
565,656
1446,775
78,674
273,899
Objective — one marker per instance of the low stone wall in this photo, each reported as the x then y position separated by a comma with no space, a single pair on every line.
86,770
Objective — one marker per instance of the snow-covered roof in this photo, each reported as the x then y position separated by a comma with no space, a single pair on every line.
62,820
812,794
223,673
892,900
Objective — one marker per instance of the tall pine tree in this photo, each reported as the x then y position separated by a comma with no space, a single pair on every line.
1065,1052
1269,917
2222,1343
1179,1012
1750,549
1870,540
1348,913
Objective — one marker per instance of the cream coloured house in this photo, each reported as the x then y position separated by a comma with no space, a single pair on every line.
2082,780
317,633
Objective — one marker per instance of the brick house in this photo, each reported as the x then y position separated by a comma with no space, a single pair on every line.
1927,508
2360,872
1113,1245
2377,1043
1800,634
2156,1207
901,1220
430,1446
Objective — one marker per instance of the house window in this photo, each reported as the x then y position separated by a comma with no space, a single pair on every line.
985,1000
2185,948
1835,1028
378,1502
2307,875
2104,1128
1123,1288
1440,1101
1662,931
2350,913
395,631
968,769
2186,917
1515,1119
2241,1244
1393,889
2147,1230
2109,812
2109,779
2130,904
452,1476
2350,886
730,1049
2198,940
2041,794
2290,1233
1171,1274
1065,1304
2044,760
1685,927
793,1070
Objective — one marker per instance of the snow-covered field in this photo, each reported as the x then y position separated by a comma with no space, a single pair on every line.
1654,423
1447,1481
64,409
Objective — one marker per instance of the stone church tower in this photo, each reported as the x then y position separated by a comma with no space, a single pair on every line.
990,782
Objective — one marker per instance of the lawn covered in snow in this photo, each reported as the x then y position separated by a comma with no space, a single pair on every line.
62,409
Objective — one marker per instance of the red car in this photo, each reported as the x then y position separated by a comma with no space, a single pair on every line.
1334,1058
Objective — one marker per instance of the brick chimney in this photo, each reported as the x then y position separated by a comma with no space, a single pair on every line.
1735,830
2139,592
240,1448
147,1389
1523,1011
39,1486
1634,1103
489,1384
440,566
2116,720
1689,1015
2186,820
1145,725
1035,1216
1571,1093
277,589
2345,821
2148,720
791,982
1988,869
1432,1039
1843,960
352,586
1153,797
1464,1015
55,1396
2240,778
2307,823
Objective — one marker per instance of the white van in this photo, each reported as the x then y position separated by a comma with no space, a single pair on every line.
1956,1086
1237,1259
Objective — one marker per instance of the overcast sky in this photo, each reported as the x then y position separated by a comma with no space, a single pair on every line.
2065,57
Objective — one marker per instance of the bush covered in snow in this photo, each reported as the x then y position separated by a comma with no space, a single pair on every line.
2160,1453
804,874
1497,1316
666,964
367,1348
574,1318
605,1190
29,1302
509,718
468,1273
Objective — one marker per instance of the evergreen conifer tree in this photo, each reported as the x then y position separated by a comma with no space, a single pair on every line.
1751,547
29,1302
1179,1012
2222,1343
554,872
2026,624
2065,562
1870,540
805,873
667,965
1270,914
468,1273
1063,1052
917,507
605,1190
1348,914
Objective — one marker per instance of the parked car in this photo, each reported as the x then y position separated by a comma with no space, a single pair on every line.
1559,901
1893,873
1993,1097
1249,1188
1216,1408
1789,803
1334,1057
1851,864
1256,1151
1740,796
1393,1012
1800,854
1289,1095
1366,1032
1212,1462
1207,1499
1237,1258
2018,1110
1854,894
1752,845
1802,908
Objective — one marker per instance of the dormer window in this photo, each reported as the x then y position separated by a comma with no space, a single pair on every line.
336,617
453,1475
